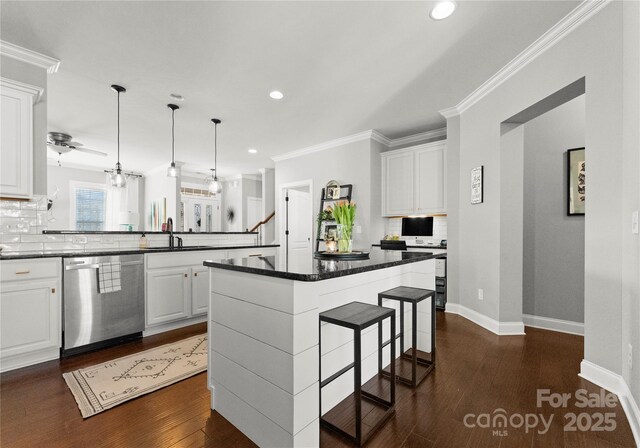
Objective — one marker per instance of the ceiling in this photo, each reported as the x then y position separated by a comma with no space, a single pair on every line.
344,67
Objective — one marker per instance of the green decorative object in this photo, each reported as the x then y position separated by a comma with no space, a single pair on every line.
344,213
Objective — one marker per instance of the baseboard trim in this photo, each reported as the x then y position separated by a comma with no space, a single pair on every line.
494,326
614,383
549,323
149,331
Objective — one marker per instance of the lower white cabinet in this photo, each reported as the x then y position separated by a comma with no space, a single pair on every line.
168,295
177,287
30,312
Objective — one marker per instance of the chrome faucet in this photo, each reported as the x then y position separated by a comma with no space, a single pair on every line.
172,238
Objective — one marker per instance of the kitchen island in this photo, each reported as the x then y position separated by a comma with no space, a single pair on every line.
263,331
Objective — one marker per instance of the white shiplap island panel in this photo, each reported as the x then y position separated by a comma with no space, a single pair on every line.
263,332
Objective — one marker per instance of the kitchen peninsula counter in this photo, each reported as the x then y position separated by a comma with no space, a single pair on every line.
264,336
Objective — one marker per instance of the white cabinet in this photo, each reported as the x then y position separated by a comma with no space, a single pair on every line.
16,138
252,252
177,288
168,295
199,290
414,180
30,312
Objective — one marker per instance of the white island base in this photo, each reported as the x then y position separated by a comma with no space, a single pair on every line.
263,332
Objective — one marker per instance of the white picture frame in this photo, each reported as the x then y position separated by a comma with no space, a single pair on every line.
477,194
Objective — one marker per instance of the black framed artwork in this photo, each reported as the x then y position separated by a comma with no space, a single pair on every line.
576,187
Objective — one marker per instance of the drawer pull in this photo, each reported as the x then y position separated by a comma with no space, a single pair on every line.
195,274
255,255
22,272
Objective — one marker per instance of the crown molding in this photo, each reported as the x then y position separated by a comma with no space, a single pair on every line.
366,135
22,87
30,57
415,138
583,12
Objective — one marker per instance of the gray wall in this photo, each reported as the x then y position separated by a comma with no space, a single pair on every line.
356,163
631,194
595,51
35,76
553,262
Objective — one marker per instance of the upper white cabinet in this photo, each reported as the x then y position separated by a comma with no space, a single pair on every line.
414,181
16,141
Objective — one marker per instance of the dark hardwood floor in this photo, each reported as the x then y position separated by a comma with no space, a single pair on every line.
477,372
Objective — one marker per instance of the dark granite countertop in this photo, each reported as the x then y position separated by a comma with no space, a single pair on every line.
138,232
97,253
307,269
415,246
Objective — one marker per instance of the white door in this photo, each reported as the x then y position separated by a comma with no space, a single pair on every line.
168,292
298,220
254,211
397,183
199,290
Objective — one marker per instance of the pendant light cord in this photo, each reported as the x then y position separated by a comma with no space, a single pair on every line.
215,152
173,136
118,128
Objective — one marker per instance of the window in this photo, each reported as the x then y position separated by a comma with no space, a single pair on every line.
88,211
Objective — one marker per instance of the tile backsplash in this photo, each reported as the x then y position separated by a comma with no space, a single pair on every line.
22,223
393,226
23,217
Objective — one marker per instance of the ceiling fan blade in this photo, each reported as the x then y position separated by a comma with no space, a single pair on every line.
92,151
76,144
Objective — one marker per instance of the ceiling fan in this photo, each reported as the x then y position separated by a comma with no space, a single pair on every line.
61,143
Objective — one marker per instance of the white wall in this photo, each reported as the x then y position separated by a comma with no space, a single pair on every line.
250,188
232,199
593,51
268,204
156,187
357,163
60,178
30,74
553,264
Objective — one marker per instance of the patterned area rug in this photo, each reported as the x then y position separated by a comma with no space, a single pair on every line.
104,386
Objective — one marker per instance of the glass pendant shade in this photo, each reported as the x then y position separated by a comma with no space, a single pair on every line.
172,171
118,179
214,185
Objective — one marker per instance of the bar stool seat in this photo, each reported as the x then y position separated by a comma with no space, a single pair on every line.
411,368
358,316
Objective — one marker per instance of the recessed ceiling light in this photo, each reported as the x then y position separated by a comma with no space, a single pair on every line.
276,95
442,10
176,97
253,151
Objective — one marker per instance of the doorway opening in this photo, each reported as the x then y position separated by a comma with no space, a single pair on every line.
542,264
296,218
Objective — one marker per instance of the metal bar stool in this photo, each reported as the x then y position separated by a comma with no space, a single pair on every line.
359,316
406,294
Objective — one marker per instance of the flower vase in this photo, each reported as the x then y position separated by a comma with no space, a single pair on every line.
344,239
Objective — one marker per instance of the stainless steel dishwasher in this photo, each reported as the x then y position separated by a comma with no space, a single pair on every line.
94,319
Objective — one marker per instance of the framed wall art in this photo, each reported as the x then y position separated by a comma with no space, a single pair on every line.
576,195
477,196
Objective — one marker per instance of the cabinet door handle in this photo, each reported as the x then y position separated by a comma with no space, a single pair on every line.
195,274
255,255
186,275
53,290
22,272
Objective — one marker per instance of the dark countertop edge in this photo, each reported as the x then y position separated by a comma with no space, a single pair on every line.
97,253
138,232
418,247
318,277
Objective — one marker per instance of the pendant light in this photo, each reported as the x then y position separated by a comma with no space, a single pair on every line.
215,186
118,179
172,171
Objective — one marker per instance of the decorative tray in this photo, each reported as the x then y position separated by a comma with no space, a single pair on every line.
355,255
